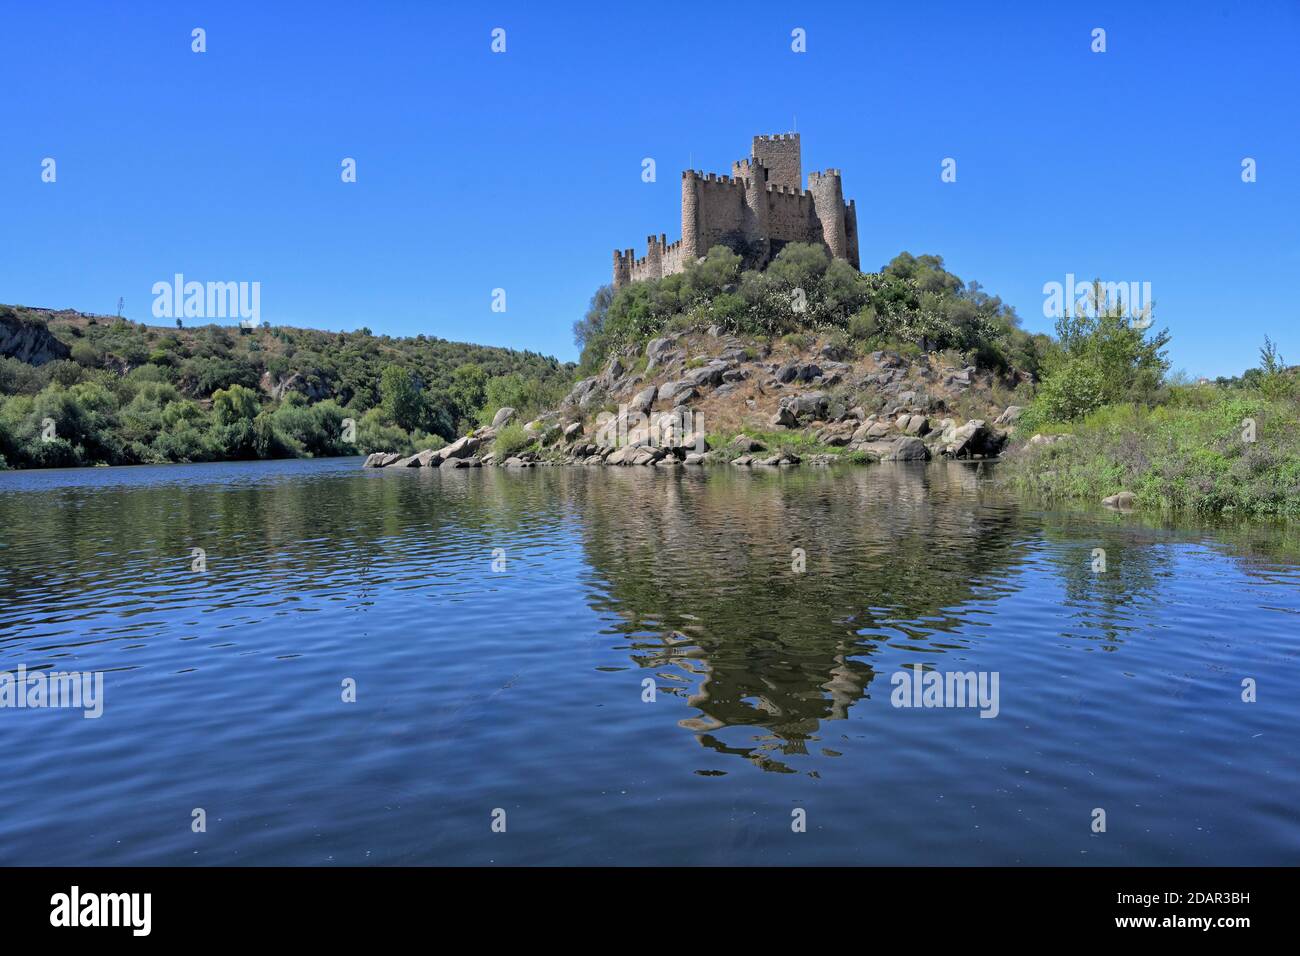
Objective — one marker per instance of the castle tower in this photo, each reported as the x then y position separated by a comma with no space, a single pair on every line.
851,233
690,217
780,154
828,199
622,268
654,258
755,177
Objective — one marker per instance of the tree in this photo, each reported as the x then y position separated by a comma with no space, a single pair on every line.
468,389
594,320
400,398
234,404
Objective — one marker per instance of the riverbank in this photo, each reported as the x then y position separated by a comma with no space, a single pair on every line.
1209,450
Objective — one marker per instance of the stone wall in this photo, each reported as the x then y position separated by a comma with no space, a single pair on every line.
761,204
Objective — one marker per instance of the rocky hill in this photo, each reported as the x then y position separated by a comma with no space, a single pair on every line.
709,397
28,338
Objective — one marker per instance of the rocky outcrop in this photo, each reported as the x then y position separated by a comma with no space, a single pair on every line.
28,340
1123,500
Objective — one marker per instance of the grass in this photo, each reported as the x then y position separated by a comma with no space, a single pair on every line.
803,444
1193,453
510,440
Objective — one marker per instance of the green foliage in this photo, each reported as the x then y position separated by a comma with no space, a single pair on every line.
400,398
511,439
234,404
1191,452
1102,357
912,301
131,393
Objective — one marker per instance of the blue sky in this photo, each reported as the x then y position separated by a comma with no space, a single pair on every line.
522,170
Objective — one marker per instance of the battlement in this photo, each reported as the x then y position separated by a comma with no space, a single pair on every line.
760,207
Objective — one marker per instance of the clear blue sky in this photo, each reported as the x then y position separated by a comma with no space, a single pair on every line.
522,170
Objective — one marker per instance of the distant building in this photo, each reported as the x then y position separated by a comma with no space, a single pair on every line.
756,210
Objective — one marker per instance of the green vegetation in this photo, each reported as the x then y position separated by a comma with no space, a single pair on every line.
130,393
510,440
1229,447
912,301
801,443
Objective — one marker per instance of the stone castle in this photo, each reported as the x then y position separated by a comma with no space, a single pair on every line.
755,211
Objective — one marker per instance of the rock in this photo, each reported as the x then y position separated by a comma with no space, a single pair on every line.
743,460
380,459
811,405
908,448
917,425
29,340
460,448
1010,416
503,416
613,372
619,455
1124,499
583,394
572,430
705,375
676,393
694,458
787,373
870,431
745,443
660,352
642,400
784,418
973,438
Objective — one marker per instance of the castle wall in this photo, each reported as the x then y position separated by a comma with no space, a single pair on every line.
761,203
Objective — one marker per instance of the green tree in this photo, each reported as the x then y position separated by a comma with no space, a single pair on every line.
400,398
234,404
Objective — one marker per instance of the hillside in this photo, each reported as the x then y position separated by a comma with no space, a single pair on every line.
120,392
807,360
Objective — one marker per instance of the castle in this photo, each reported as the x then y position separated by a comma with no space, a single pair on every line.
755,211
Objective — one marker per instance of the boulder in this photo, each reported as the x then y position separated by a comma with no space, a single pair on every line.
917,425
745,444
380,459
1010,416
973,438
784,418
676,393
572,430
1123,499
908,448
503,416
460,448
660,352
642,400
870,431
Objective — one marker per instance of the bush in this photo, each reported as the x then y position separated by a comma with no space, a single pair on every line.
511,439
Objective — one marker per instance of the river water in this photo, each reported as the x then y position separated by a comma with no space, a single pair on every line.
627,666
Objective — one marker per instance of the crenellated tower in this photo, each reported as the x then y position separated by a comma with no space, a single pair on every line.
762,205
